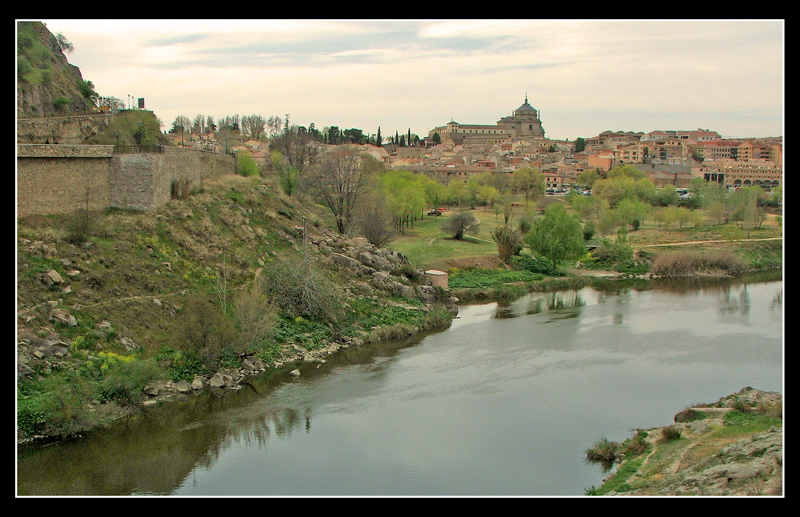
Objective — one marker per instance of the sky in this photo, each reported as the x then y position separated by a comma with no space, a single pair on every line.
584,76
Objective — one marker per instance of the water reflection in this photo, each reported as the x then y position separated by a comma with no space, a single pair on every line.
508,389
540,302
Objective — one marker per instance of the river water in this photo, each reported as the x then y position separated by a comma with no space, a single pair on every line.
503,403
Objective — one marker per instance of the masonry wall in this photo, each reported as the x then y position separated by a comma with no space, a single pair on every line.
60,178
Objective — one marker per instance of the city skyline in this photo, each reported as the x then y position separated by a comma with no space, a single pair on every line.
584,76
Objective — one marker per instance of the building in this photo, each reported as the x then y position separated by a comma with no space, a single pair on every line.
523,124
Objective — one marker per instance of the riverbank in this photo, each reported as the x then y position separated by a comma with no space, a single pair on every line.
234,280
733,447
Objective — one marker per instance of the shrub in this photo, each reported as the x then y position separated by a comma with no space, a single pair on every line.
206,330
670,433
301,290
635,445
255,316
246,165
125,378
689,263
78,227
604,452
535,265
509,242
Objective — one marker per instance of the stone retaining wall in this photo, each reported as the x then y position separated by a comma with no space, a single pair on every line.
65,178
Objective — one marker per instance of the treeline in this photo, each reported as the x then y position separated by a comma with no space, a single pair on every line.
624,197
257,127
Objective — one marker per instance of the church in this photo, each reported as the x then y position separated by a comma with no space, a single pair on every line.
523,124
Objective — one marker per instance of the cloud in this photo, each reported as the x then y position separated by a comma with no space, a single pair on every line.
632,75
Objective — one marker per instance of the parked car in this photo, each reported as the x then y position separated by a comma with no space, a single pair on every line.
436,211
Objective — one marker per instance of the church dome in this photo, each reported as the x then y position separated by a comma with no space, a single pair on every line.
525,108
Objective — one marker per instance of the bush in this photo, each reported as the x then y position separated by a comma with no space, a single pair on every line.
301,290
206,330
125,378
509,242
246,165
670,433
535,265
604,452
689,263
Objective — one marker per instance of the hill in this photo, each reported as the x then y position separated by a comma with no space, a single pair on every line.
118,308
47,84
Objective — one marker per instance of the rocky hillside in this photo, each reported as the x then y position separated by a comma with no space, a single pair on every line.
733,448
118,308
47,84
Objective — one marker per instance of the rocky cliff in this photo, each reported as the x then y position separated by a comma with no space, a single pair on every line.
47,84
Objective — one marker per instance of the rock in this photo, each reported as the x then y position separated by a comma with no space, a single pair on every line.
426,293
129,344
295,373
63,317
222,379
183,387
52,277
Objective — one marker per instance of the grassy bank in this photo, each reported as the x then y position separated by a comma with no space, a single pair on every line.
111,303
731,447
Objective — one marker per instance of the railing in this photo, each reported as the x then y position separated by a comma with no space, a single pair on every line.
132,149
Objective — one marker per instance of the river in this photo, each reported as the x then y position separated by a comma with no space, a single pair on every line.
503,403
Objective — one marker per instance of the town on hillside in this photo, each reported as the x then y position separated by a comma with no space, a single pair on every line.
458,151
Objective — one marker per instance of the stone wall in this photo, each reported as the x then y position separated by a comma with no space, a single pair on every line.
144,180
65,178
62,178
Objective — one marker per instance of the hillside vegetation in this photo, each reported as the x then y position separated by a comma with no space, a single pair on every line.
111,305
47,84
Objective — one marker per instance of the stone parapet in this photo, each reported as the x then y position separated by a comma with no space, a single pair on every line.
64,151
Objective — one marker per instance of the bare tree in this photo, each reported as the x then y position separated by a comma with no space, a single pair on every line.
374,219
253,126
297,145
339,179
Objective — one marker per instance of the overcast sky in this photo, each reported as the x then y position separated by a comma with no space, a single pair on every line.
584,76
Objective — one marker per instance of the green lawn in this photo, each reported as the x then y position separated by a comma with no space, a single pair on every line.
428,246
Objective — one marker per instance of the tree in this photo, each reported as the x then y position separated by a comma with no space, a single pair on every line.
374,219
460,223
297,145
181,122
405,194
588,177
509,242
88,92
746,208
253,126
557,236
529,182
339,179
63,43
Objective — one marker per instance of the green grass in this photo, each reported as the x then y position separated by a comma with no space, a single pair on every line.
487,278
428,246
